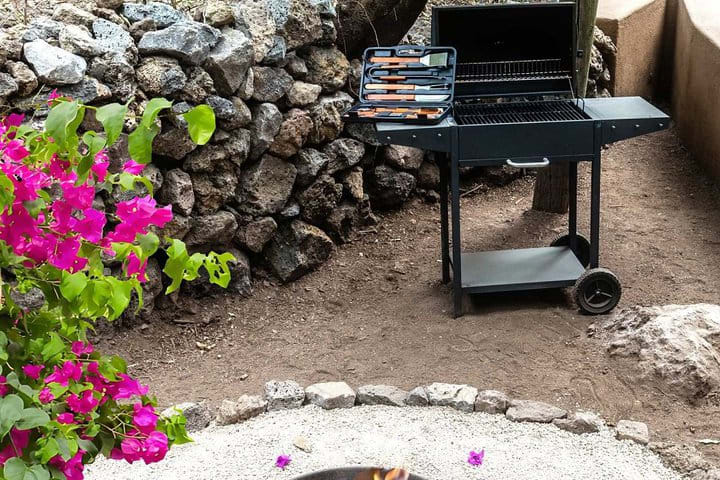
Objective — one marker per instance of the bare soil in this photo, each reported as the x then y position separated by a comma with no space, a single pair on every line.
377,313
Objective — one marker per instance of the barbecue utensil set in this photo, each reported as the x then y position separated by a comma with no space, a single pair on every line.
405,84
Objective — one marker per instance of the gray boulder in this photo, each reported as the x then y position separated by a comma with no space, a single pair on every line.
634,431
116,72
276,54
216,13
283,395
267,120
69,14
270,84
352,181
161,13
531,411
302,25
257,233
256,18
403,158
302,93
365,132
189,42
178,191
344,153
459,397
217,228
295,66
198,87
229,60
341,221
579,423
249,406
89,90
160,76
231,114
266,186
213,190
33,299
382,395
429,176
173,143
327,117
330,395
76,39
309,162
417,397
389,188
178,227
319,199
53,65
297,249
112,38
492,401
327,67
197,415
24,77
42,28
8,85
292,135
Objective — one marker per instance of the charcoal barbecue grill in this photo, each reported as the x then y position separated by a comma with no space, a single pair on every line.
515,104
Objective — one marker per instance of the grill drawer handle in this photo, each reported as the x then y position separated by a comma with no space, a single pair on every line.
545,162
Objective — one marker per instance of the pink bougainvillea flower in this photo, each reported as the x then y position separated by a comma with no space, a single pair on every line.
13,120
46,396
131,449
133,168
155,447
100,167
127,387
16,151
66,418
3,386
136,267
85,403
19,440
66,256
53,95
82,348
69,370
33,371
283,461
80,197
476,458
73,468
145,418
90,227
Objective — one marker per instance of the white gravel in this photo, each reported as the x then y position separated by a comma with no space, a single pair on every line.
432,442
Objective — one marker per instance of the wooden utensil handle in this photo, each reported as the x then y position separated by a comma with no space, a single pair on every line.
395,59
391,78
390,86
381,96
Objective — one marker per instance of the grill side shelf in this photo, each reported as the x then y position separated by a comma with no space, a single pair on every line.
626,117
429,137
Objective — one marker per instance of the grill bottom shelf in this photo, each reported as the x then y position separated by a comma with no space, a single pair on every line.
523,269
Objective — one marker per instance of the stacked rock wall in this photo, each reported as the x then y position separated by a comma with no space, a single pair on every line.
279,184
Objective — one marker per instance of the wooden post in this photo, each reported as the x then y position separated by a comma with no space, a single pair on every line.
551,186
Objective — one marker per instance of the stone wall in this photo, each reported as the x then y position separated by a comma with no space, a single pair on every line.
281,181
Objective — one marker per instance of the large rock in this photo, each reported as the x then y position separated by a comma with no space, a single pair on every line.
342,220
302,93
178,191
679,344
531,411
319,199
343,153
257,233
89,90
276,54
161,13
293,133
213,190
197,415
417,397
403,158
327,67
229,61
429,176
230,113
296,66
8,85
297,249
270,84
250,406
198,87
492,401
257,19
112,38
309,162
173,143
327,117
216,13
160,76
302,25
42,28
267,120
283,395
352,181
389,188
189,42
580,422
459,397
24,77
635,431
217,228
76,39
266,186
116,72
53,65
382,395
330,395
69,14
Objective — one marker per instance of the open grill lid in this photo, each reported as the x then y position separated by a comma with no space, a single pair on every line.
510,49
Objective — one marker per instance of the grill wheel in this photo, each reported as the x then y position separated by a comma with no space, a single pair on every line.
583,246
597,291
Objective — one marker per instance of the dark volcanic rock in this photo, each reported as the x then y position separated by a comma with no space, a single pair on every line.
297,249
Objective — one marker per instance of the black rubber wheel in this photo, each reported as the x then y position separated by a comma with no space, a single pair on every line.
597,291
583,247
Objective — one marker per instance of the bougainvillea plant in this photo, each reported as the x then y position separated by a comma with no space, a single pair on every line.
62,403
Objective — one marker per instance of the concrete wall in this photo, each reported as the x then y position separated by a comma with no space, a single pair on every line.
637,27
696,80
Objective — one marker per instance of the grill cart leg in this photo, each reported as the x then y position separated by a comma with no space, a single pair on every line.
595,201
456,254
444,222
572,210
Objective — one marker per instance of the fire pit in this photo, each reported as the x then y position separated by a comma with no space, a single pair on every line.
360,473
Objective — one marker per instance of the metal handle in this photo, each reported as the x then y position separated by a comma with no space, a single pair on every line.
545,162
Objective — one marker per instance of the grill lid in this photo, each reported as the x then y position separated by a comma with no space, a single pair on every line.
510,49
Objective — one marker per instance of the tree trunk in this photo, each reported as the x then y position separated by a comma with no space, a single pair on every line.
371,23
551,186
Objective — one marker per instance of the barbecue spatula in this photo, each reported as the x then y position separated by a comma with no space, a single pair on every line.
406,86
430,60
416,98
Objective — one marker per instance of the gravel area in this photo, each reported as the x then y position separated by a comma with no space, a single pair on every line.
432,442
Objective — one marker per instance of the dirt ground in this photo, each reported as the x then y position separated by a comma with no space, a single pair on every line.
377,312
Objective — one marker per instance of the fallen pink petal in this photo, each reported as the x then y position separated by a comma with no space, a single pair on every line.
476,458
283,461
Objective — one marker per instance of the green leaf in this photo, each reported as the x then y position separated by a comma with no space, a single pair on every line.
52,347
175,264
11,407
201,123
62,123
94,142
217,268
152,109
73,284
112,117
32,418
140,142
88,446
120,296
149,243
3,346
14,469
49,450
7,190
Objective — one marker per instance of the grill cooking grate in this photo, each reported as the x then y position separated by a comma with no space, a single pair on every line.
545,69
517,112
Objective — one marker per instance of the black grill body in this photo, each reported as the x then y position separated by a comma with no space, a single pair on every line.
515,104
